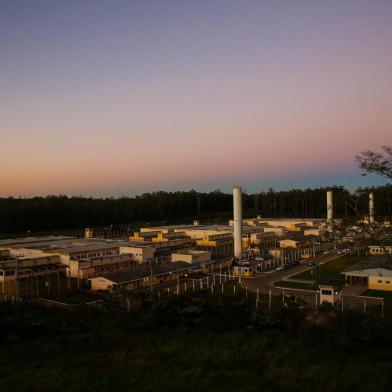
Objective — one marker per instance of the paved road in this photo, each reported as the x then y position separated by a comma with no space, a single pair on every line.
265,280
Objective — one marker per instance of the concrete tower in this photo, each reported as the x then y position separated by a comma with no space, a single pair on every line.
329,206
371,207
237,207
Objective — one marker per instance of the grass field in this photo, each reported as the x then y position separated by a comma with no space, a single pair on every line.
295,285
331,270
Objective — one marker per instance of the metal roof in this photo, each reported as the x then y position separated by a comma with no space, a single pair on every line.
137,274
375,262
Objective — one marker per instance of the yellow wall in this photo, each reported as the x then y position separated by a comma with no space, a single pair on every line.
378,250
374,283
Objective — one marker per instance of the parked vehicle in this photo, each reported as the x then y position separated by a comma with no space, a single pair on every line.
311,263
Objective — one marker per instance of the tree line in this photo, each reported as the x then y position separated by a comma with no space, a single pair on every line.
24,215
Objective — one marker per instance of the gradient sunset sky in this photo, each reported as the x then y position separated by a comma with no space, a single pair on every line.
117,98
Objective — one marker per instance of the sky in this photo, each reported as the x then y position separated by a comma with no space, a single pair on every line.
111,98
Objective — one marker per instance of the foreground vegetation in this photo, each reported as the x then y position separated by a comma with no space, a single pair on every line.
198,343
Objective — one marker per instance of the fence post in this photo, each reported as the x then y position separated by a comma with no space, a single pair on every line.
269,301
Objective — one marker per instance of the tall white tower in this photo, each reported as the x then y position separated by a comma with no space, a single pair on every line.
371,207
237,208
329,206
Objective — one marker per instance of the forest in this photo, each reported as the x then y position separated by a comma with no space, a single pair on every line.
56,213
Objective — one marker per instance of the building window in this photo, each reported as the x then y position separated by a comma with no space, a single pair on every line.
387,282
379,281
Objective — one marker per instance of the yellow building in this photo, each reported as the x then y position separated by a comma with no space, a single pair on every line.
88,233
140,278
191,256
222,244
288,243
381,282
375,272
244,270
330,293
380,250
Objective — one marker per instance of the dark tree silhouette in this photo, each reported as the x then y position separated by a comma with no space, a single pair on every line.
54,213
376,162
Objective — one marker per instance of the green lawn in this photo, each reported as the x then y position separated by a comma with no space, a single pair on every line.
330,270
295,285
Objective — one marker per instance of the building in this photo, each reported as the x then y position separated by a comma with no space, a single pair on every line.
263,239
191,256
279,231
22,276
378,250
315,231
288,243
330,293
141,278
87,257
375,272
244,270
217,244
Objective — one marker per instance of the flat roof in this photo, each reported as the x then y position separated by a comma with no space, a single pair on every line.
83,248
32,240
136,274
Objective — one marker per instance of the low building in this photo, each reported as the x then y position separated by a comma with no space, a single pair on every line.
277,253
378,250
138,253
315,231
191,256
141,277
244,270
217,244
279,231
288,243
27,276
263,239
375,272
330,293
86,268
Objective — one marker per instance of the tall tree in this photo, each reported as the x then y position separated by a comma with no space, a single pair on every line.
376,162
